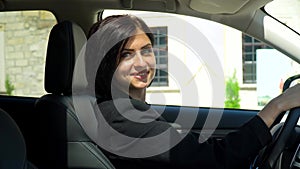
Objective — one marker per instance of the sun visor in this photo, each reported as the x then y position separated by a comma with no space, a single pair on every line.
217,6
161,5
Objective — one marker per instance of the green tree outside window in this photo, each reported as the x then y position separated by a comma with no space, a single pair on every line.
232,92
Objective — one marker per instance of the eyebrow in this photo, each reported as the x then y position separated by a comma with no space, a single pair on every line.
144,47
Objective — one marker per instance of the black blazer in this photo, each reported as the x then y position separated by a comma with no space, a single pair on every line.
236,150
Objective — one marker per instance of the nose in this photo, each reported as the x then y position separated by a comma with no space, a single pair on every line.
139,61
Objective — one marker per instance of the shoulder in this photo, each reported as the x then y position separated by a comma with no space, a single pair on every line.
124,104
132,117
128,109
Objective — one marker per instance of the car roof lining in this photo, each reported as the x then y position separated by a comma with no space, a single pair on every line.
233,19
246,16
217,6
1,4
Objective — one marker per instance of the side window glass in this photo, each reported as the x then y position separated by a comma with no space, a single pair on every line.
23,44
194,51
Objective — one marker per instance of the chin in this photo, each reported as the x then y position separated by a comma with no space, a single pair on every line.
140,86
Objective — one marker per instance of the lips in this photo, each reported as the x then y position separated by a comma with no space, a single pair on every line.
141,75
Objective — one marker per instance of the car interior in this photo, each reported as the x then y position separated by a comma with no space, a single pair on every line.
13,148
66,143
43,130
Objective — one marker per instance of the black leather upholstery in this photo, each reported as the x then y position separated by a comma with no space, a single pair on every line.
65,42
65,144
12,145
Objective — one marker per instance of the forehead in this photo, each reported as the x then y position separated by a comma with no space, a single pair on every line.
140,39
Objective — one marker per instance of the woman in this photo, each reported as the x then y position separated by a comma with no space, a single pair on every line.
123,46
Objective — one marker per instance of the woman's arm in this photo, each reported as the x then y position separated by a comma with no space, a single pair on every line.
285,101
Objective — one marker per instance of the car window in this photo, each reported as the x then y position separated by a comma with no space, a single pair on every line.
23,43
286,11
190,52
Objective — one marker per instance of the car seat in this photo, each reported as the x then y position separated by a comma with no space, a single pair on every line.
12,145
64,142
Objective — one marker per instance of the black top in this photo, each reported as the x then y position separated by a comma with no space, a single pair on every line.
236,150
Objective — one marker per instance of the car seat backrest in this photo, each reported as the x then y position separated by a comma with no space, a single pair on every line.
12,145
64,142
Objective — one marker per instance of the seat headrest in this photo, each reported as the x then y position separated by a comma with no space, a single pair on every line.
12,144
65,42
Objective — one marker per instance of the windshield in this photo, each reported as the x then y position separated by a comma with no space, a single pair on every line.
286,11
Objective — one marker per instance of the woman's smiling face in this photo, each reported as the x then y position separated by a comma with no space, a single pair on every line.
136,67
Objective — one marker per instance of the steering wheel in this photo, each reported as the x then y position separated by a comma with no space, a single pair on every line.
268,157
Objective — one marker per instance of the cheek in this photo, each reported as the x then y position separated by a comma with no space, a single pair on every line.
120,77
152,63
123,68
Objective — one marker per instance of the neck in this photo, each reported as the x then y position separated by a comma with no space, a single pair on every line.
138,94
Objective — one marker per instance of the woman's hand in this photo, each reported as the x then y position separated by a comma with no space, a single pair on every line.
285,101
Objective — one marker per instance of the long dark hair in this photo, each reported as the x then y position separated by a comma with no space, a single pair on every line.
106,39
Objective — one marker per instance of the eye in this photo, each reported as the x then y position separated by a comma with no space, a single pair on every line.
147,52
126,54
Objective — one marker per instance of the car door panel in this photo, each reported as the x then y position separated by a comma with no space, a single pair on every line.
231,119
